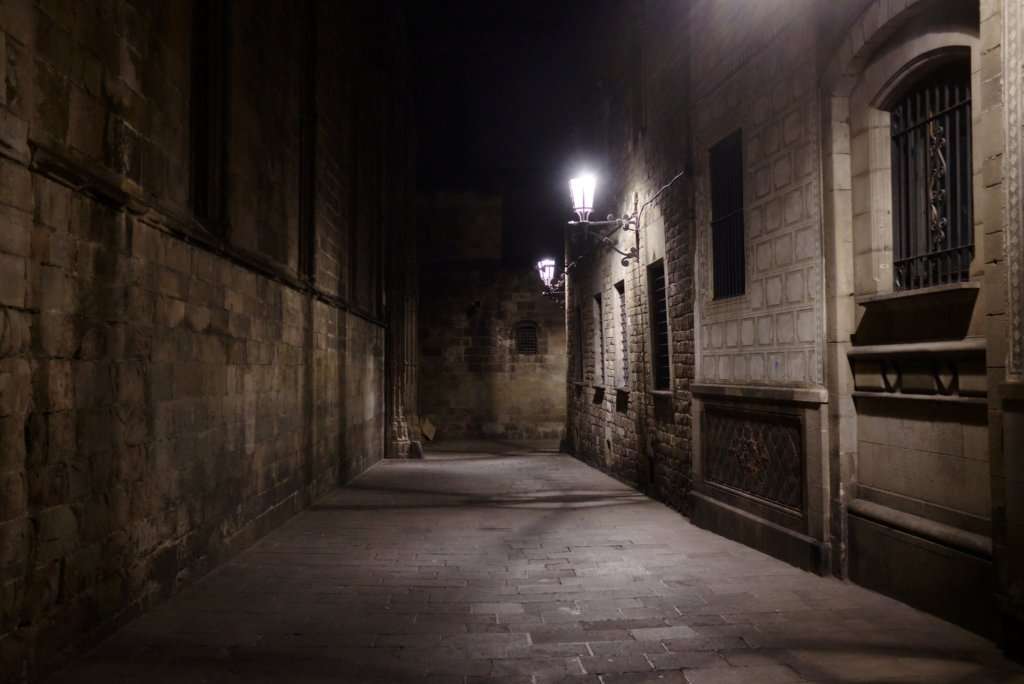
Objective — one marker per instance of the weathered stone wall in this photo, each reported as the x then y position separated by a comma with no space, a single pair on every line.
170,390
809,352
472,382
772,333
624,427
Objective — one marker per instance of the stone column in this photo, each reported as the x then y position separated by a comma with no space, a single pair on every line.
1009,522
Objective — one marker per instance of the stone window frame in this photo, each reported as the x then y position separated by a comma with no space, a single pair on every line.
880,49
871,153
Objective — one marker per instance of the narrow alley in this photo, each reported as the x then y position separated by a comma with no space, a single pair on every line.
501,562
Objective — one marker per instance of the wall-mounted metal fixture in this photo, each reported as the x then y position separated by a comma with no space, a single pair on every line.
552,288
584,189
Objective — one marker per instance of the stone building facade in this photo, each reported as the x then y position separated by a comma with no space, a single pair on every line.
492,347
842,390
205,291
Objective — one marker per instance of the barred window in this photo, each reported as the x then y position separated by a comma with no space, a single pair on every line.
658,300
620,289
577,369
598,341
526,337
932,194
727,244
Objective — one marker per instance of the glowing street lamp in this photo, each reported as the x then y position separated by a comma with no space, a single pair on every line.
546,269
582,188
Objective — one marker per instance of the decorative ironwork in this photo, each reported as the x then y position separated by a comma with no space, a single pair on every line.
759,454
933,226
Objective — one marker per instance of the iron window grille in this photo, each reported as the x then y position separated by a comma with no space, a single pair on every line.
658,297
526,337
620,289
599,378
933,226
727,244
578,361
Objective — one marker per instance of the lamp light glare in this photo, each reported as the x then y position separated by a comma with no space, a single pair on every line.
582,188
546,270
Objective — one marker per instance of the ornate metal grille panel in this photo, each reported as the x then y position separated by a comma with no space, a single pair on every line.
760,454
933,226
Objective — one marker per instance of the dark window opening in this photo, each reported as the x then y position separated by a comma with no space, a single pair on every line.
932,193
658,298
208,113
526,337
598,341
577,370
727,244
620,289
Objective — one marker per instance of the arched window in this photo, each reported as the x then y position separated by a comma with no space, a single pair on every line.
932,198
526,337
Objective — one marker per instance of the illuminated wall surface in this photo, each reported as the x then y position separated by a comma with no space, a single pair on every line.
849,410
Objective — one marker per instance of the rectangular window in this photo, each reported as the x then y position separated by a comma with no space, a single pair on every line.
620,289
658,302
208,112
577,362
598,341
727,244
932,184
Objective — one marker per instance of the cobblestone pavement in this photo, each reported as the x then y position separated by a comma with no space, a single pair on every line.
509,564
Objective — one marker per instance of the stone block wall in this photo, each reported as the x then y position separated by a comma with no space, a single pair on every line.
626,428
863,411
173,387
473,382
772,333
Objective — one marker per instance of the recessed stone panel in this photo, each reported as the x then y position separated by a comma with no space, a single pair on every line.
794,287
773,290
783,250
805,325
747,332
784,328
764,330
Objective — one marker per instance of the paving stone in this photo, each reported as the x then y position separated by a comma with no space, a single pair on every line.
415,573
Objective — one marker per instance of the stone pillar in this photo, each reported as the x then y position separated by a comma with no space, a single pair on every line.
402,348
1008,516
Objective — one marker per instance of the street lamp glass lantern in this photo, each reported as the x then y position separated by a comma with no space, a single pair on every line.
546,269
582,188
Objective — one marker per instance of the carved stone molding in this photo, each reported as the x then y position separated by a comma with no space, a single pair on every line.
1013,63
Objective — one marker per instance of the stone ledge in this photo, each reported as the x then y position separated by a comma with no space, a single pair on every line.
936,290
798,395
947,535
754,531
939,347
899,396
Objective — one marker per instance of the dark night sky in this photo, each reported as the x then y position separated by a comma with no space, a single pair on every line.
498,89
